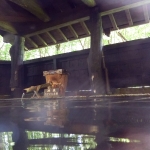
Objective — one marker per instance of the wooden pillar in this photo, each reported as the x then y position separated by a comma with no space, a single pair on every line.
95,56
17,75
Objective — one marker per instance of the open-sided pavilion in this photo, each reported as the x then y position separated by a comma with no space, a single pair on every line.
42,23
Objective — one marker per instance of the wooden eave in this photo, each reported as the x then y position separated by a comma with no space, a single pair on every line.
68,21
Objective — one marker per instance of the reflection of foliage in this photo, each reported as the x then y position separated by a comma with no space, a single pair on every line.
138,32
123,140
75,141
6,141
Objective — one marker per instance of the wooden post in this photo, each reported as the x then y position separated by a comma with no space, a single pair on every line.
17,76
95,55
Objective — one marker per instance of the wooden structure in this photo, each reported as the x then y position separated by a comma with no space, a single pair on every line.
120,76
47,22
44,23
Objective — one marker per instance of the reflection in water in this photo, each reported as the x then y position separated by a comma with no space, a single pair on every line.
123,140
6,142
55,113
54,141
93,124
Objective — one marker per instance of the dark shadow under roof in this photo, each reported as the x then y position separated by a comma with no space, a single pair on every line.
48,22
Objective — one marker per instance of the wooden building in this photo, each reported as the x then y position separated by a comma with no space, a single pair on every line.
42,23
33,24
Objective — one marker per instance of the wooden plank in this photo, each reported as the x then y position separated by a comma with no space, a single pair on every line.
51,37
84,26
58,26
41,40
90,3
32,42
115,10
5,26
129,18
33,7
113,21
95,56
146,15
62,34
74,33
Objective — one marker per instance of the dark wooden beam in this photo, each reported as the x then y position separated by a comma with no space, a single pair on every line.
51,37
113,21
42,41
32,42
90,3
17,54
146,14
74,33
95,56
84,26
18,18
129,18
33,7
62,34
8,27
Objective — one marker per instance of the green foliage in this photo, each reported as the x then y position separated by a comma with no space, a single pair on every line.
4,50
133,33
71,46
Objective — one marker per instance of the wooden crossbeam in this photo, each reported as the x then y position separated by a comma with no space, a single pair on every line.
119,34
113,21
5,26
90,3
74,33
62,34
41,40
33,7
32,42
84,26
51,37
129,18
146,14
